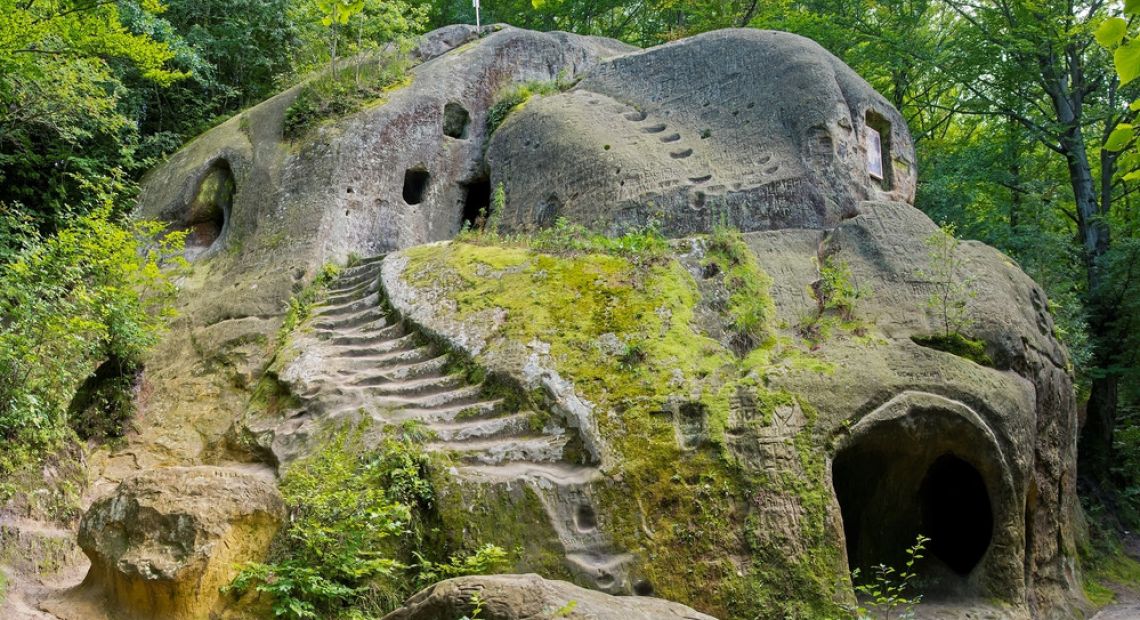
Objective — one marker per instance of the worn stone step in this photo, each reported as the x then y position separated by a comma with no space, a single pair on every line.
358,272
346,286
379,360
342,297
380,325
540,449
558,474
432,367
379,346
367,261
484,428
466,395
432,370
391,334
410,387
360,305
451,413
369,315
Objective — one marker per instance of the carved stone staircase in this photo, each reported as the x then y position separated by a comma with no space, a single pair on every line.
357,358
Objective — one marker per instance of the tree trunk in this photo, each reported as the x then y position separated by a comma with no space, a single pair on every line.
1095,450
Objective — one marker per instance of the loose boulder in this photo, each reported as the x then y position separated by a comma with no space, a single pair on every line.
530,597
166,540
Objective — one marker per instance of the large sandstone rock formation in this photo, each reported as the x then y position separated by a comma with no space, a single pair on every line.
756,129
747,480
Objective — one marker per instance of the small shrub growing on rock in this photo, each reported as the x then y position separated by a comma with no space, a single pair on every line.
340,93
837,296
953,287
750,307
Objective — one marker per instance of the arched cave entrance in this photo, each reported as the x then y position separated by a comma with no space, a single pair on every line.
917,474
207,216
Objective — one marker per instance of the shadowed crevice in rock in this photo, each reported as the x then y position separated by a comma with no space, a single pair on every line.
956,513
476,203
456,121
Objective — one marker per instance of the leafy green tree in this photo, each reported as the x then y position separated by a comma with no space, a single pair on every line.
60,118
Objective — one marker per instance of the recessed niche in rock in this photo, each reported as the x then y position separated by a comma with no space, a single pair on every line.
206,217
548,211
879,159
691,424
476,203
456,121
415,184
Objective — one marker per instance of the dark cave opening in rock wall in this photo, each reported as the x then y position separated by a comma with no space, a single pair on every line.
206,217
476,203
888,496
956,513
415,185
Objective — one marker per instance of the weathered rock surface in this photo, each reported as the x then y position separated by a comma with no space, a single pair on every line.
756,129
527,597
164,543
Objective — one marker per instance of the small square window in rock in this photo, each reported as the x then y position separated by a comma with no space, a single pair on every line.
874,154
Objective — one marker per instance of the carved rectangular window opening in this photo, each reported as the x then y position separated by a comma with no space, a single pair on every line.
874,154
878,146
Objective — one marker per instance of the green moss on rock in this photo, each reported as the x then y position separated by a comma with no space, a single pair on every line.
680,495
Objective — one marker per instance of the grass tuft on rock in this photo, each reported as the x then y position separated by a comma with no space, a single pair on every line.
957,344
345,91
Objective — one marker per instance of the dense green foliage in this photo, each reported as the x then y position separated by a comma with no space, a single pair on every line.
94,291
355,543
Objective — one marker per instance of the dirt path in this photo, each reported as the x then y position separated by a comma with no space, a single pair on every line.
1127,603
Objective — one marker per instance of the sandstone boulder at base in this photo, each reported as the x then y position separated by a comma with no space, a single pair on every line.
530,597
166,540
